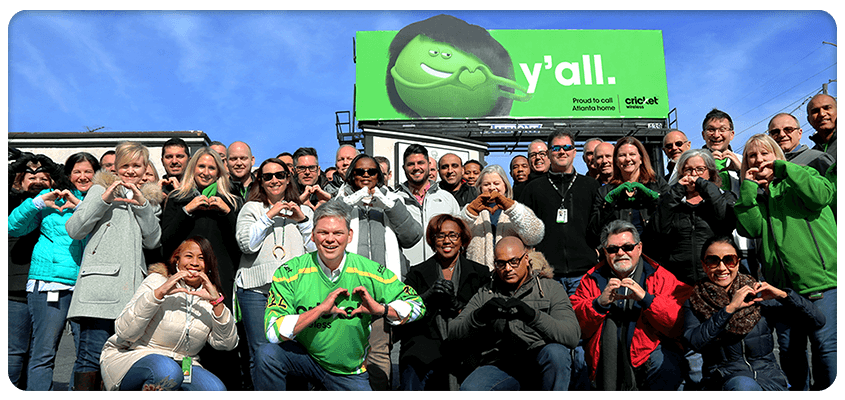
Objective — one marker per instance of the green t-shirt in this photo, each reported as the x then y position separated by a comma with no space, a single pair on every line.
338,344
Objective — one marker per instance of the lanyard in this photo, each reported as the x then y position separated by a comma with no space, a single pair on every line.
567,188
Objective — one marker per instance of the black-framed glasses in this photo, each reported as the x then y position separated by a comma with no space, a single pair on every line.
697,170
364,171
268,176
513,262
537,154
625,247
730,260
786,129
566,147
452,236
309,168
711,130
670,145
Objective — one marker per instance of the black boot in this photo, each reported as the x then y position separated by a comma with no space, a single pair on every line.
87,381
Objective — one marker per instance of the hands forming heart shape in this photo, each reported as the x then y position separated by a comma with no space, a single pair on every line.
204,203
368,304
113,194
70,201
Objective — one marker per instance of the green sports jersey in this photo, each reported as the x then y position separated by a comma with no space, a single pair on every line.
339,344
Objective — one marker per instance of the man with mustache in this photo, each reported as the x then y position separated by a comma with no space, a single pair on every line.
326,301
625,305
451,169
174,157
423,199
521,325
821,114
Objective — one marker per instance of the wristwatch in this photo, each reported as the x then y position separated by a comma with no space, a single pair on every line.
384,315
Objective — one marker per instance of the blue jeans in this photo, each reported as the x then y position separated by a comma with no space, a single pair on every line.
553,362
417,377
252,305
694,363
580,372
662,371
93,334
792,343
741,383
274,363
166,373
48,322
20,336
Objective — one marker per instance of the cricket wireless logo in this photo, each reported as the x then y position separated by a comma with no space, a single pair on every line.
592,72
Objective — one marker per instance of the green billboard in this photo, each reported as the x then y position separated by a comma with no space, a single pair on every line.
443,67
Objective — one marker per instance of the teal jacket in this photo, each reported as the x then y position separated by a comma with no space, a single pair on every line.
56,257
797,226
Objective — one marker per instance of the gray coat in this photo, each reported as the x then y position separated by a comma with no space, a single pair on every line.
113,264
804,155
554,322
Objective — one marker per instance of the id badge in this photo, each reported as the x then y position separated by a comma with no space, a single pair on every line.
187,369
52,297
562,216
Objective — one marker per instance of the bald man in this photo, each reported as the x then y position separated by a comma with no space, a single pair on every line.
239,162
821,113
526,321
451,169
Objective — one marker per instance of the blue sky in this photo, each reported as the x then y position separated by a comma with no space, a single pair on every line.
275,78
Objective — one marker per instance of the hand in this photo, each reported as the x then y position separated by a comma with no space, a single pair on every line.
296,213
520,310
744,297
111,192
642,189
380,200
278,210
137,197
734,164
169,286
206,291
50,199
608,295
219,204
767,292
357,198
441,291
479,204
689,182
368,304
322,195
617,191
328,305
197,203
635,291
170,181
504,202
492,310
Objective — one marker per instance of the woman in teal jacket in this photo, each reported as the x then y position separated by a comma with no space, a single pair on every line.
55,262
788,206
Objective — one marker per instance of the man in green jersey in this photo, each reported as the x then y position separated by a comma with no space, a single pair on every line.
320,309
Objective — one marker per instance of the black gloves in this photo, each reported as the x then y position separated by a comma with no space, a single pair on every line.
440,294
499,308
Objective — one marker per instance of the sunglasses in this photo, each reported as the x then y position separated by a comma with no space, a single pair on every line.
566,147
787,130
670,146
365,171
730,260
268,176
625,247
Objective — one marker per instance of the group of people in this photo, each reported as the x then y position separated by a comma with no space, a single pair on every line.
218,277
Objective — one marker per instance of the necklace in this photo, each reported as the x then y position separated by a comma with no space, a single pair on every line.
276,241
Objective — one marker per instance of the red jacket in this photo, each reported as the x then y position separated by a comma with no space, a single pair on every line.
660,316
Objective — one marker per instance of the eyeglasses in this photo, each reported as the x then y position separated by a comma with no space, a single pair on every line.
787,130
442,236
625,247
567,147
697,170
537,154
712,130
730,261
268,176
363,171
670,146
513,262
309,168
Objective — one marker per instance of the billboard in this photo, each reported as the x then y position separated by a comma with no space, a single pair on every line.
443,67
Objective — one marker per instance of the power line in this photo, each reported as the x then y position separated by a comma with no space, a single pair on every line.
787,90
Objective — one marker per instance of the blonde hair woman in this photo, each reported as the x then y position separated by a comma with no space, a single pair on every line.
793,216
118,218
205,206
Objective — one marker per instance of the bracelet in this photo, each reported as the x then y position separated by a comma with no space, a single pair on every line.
218,301
385,311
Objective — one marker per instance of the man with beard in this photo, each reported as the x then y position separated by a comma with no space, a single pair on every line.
174,157
627,305
452,179
423,199
309,181
519,172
